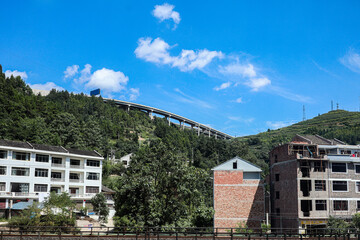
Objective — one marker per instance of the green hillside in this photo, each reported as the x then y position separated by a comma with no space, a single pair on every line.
339,124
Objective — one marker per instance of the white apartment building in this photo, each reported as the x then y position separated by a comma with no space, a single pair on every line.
31,171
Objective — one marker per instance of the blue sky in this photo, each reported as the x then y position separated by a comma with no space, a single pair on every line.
240,66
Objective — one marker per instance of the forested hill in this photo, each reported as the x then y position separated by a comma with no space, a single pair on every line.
338,124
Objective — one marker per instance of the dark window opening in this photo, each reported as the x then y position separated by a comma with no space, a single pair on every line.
277,195
358,205
320,185
234,165
93,163
40,188
56,160
42,158
3,154
340,205
306,207
305,187
278,212
276,158
74,162
305,168
340,186
338,167
277,177
20,187
357,168
41,172
55,189
320,205
55,174
319,166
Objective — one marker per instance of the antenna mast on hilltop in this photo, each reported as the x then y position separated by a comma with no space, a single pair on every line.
304,116
332,105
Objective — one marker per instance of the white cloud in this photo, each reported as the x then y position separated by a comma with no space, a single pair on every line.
244,70
190,99
16,73
166,11
46,86
257,83
71,71
351,60
157,51
223,86
108,80
279,124
134,94
238,100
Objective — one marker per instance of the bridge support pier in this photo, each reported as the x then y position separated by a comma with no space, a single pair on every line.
209,132
169,117
128,108
151,115
198,130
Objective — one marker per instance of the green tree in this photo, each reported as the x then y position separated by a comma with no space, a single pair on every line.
100,207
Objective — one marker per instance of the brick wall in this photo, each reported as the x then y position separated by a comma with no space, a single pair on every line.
237,200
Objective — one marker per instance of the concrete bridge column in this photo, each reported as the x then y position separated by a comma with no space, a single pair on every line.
198,130
169,117
128,108
151,115
215,135
183,125
209,132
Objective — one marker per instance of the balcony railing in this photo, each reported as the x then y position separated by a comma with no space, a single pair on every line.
81,166
58,179
58,165
86,195
76,180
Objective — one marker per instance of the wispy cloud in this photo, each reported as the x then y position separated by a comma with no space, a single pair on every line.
166,11
192,100
71,71
238,100
15,73
223,86
134,94
289,95
324,69
279,124
351,60
241,119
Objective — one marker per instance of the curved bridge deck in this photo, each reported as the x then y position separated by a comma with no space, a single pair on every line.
183,122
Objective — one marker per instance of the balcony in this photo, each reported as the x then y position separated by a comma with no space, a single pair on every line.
58,179
81,166
59,165
87,195
19,194
76,180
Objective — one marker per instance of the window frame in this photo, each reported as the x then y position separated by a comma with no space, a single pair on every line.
322,189
6,153
54,173
89,161
20,169
332,168
42,171
347,186
40,158
321,168
42,185
57,158
5,170
317,203
1,185
277,177
347,205
355,168
92,187
74,174
14,154
88,174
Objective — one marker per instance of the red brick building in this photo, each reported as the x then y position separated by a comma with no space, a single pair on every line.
238,194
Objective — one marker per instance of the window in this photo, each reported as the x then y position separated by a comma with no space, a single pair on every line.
2,170
278,212
40,188
320,205
93,176
276,159
42,158
340,186
16,171
2,186
125,163
39,172
74,176
20,187
319,166
56,160
358,205
92,189
277,177
55,189
339,167
320,185
340,205
234,165
94,163
3,154
277,195
55,174
21,156
357,169
74,162
357,186
74,191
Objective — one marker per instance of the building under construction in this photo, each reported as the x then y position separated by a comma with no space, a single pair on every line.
311,179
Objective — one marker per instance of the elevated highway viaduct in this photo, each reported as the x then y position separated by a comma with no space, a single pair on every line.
183,122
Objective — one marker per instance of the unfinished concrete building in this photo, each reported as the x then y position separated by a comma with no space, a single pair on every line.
311,179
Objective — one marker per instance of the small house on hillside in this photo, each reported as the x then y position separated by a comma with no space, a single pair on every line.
238,194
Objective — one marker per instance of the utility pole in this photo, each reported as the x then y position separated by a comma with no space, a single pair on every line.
332,105
337,106
304,116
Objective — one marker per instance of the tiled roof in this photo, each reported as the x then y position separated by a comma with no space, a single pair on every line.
106,189
59,149
319,140
242,164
